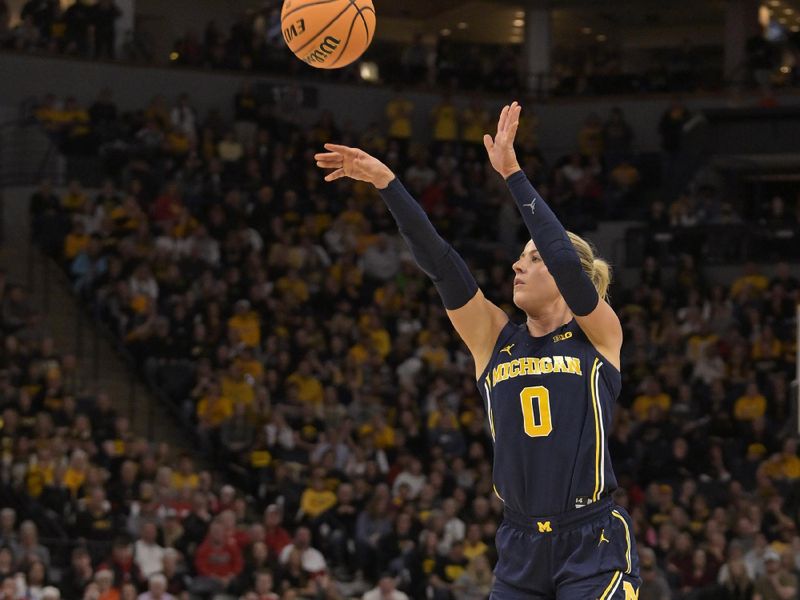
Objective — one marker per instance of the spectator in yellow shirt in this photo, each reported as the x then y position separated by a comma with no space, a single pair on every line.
246,323
76,241
767,346
473,542
75,199
476,122
185,476
751,405
398,114
445,123
786,464
238,387
76,126
652,396
292,288
76,472
41,472
750,279
213,408
382,433
316,498
250,365
309,389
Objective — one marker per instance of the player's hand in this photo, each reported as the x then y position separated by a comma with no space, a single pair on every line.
501,148
353,163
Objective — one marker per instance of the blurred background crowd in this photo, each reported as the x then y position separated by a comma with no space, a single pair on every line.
339,445
586,62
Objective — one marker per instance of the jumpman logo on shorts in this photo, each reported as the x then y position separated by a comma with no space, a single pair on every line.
603,538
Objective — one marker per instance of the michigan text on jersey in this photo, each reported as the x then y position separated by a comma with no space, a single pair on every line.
530,365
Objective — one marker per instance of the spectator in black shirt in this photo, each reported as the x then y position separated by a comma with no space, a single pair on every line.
43,13
78,19
104,15
80,574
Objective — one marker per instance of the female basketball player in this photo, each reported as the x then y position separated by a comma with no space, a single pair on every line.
549,385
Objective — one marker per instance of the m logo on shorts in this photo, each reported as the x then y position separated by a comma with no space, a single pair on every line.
630,593
544,527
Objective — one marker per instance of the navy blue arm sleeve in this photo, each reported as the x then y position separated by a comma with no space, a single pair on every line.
554,247
436,257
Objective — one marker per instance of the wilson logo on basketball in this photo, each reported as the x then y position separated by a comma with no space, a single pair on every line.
328,34
293,30
325,49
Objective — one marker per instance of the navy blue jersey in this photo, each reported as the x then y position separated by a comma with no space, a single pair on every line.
549,401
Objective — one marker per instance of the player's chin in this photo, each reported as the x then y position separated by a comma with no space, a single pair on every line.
519,298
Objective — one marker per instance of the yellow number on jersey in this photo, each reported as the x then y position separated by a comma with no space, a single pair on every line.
541,395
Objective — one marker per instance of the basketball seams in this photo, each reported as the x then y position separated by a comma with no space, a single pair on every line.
349,35
363,20
321,31
361,12
301,7
333,29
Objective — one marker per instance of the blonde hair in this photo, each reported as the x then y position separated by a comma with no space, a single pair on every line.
598,270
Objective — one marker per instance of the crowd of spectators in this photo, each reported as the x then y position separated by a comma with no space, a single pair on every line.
253,42
283,319
82,29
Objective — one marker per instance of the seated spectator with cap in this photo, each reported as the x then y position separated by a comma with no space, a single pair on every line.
776,583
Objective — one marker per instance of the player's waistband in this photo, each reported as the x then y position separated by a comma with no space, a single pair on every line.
564,522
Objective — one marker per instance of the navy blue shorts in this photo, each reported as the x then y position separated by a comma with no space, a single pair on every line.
584,554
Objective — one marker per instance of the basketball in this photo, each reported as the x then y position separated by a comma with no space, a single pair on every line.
328,34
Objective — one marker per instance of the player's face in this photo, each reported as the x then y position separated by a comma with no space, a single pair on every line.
534,287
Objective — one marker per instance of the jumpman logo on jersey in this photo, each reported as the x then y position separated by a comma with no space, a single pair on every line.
508,349
532,205
603,538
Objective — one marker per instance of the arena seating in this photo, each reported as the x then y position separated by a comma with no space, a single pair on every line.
284,323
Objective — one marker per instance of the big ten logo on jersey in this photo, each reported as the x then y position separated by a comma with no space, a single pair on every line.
562,336
294,29
631,593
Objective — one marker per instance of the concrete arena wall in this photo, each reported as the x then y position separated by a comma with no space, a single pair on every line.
26,76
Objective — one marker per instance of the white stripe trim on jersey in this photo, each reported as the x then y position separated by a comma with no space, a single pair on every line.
489,407
602,440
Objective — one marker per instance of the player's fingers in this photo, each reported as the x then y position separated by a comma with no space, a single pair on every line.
487,141
501,122
340,149
329,156
329,163
338,173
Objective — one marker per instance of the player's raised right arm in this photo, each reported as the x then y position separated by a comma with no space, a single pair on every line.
476,319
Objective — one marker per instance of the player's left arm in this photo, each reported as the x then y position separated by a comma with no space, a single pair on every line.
594,315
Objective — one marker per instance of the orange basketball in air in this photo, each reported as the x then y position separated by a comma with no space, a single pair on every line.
328,34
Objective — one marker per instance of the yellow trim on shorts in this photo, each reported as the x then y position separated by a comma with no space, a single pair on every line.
627,539
612,586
